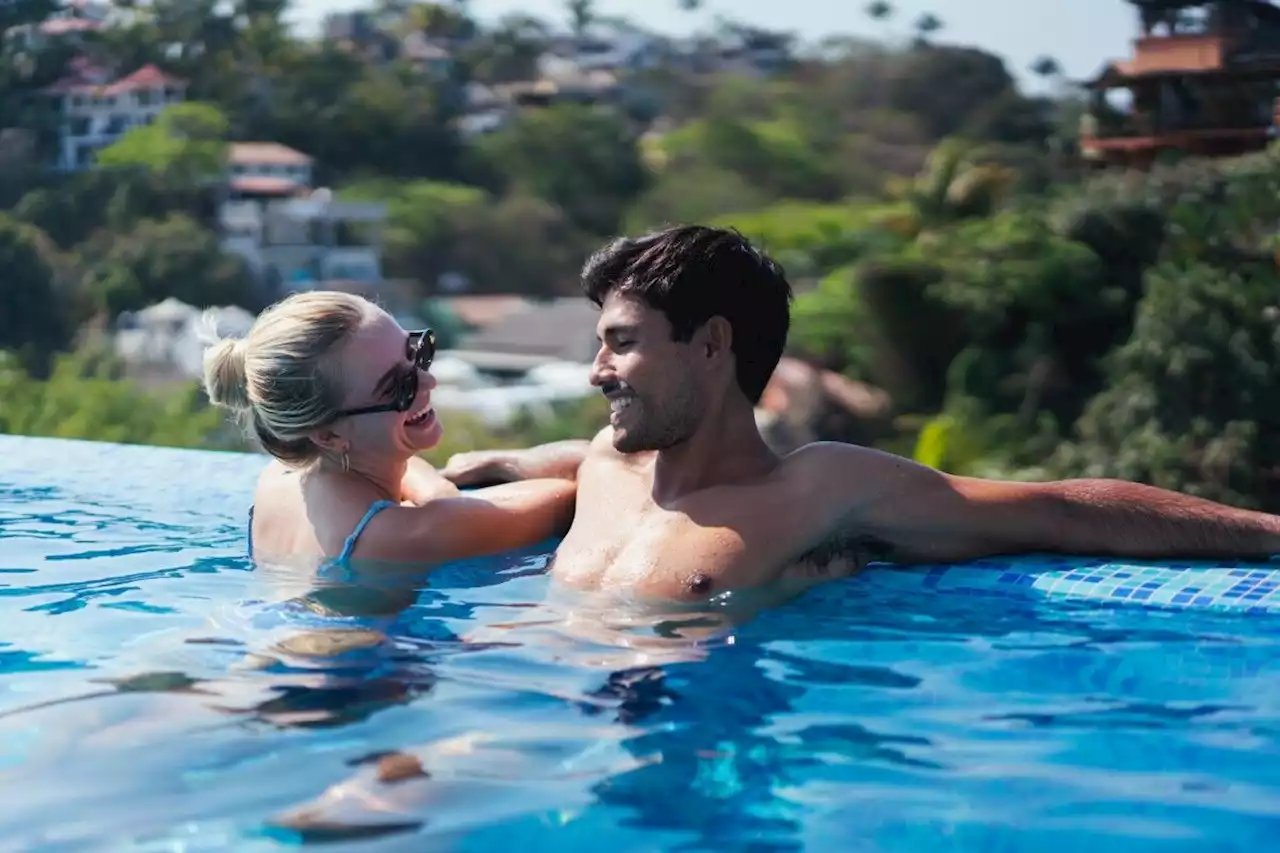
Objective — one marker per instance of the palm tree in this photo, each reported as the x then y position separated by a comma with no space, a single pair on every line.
926,25
1045,67
880,10
581,15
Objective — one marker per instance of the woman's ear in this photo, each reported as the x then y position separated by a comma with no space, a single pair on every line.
329,439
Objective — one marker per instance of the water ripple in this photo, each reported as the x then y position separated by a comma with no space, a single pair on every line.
184,698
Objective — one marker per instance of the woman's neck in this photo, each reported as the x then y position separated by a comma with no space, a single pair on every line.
386,477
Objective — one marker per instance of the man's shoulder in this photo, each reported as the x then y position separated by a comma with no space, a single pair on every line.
826,459
832,471
602,451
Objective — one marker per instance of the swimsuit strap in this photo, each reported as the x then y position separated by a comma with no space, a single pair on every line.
350,544
347,546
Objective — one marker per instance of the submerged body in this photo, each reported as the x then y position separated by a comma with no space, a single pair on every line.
340,395
827,510
702,544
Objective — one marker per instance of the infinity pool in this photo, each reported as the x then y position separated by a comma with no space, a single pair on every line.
160,693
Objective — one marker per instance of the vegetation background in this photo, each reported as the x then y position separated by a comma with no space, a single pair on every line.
1028,318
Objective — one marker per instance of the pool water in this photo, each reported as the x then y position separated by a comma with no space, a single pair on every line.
160,693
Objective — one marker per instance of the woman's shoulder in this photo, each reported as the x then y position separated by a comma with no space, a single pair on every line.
312,510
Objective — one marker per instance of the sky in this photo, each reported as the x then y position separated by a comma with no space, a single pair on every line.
1080,34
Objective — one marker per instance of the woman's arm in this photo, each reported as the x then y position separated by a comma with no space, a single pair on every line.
423,483
486,521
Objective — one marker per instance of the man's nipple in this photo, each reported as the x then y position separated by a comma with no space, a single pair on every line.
700,584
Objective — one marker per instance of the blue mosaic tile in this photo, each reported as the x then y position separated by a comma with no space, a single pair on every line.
1226,586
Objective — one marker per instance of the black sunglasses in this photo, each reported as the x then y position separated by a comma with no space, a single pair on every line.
420,354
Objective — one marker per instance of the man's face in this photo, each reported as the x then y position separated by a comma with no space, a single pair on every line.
653,383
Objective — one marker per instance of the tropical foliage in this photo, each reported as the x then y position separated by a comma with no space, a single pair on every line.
1026,317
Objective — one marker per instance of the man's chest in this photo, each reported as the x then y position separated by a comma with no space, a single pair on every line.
622,541
651,552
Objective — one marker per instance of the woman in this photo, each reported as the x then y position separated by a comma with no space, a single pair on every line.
340,395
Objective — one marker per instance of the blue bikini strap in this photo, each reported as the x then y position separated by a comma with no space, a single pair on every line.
350,544
347,546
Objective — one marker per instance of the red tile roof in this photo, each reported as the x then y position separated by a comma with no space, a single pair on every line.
82,81
266,186
272,153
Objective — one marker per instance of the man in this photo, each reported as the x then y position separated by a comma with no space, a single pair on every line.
679,497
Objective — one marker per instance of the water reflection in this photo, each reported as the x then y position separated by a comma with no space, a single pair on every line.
483,706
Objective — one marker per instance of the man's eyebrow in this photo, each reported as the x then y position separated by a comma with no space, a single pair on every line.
617,329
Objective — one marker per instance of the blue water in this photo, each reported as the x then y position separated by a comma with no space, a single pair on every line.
160,693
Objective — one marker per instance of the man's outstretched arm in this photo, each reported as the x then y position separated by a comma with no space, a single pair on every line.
558,460
921,515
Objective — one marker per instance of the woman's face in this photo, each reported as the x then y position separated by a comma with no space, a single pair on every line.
377,368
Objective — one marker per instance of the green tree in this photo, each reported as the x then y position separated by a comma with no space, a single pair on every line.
35,319
435,229
1193,401
186,145
584,161
161,258
85,397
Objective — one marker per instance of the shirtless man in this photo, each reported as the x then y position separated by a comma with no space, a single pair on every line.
680,498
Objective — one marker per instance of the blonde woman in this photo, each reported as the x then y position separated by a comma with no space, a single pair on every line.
340,395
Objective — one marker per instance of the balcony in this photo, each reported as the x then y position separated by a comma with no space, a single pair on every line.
1179,54
1122,135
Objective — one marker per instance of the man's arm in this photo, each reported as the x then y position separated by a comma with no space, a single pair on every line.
919,514
558,460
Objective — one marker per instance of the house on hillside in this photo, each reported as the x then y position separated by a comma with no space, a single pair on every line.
1202,80
306,241
97,108
293,236
69,21
262,170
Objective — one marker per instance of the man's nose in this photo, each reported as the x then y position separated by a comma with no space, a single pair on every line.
601,369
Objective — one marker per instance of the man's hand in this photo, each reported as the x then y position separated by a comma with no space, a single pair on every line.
558,460
479,468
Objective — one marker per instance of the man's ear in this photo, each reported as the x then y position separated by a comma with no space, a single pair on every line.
717,338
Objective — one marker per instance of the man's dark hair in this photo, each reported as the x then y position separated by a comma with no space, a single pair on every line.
692,273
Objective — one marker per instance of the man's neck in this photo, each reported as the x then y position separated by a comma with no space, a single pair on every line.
727,448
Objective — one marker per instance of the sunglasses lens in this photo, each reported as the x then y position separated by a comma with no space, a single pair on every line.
408,390
426,350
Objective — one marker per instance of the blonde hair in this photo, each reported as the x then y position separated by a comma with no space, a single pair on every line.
278,379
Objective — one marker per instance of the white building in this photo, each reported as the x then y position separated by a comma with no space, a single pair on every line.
97,109
293,237
70,20
301,243
267,168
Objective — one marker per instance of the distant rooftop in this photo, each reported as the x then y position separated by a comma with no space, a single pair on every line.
267,153
90,79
